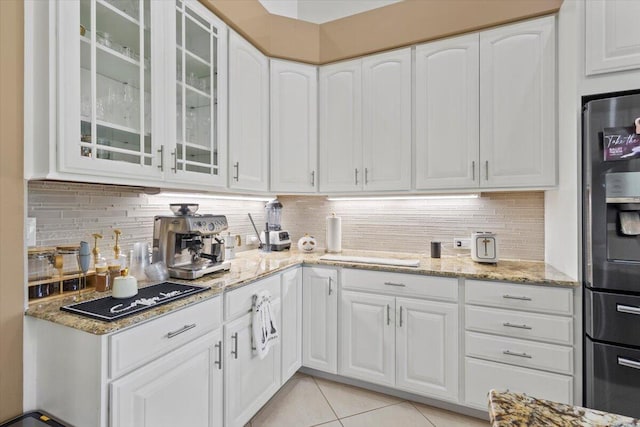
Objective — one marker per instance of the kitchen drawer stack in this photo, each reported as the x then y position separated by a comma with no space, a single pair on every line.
518,337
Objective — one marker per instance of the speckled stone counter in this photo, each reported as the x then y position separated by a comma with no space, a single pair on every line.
253,265
508,409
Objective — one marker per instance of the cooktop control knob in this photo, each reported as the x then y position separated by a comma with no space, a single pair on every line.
211,226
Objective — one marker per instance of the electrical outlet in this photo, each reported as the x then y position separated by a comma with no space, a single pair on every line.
461,243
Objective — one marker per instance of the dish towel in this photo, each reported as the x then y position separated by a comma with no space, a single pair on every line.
265,332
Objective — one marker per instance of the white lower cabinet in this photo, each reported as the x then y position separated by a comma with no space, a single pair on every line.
291,328
482,376
182,388
249,381
367,335
510,346
427,348
320,319
405,343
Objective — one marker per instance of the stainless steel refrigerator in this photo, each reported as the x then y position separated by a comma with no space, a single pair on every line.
611,253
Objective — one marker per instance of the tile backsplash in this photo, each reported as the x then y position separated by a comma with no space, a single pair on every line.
69,212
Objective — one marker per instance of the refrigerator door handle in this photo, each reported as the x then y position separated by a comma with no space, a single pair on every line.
629,363
628,309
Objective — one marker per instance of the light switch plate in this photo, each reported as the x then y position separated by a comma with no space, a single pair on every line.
31,232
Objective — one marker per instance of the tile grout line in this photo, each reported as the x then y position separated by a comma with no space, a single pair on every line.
420,412
375,409
325,398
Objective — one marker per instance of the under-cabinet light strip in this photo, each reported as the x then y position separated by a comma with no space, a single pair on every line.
184,196
429,197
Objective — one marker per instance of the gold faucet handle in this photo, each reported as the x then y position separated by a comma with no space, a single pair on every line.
116,247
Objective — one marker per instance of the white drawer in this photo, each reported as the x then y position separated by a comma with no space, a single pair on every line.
442,288
239,301
542,327
544,299
140,344
482,376
529,354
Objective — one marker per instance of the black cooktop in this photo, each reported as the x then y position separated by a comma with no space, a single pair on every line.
109,309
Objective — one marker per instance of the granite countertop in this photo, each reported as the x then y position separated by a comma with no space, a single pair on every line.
253,265
508,409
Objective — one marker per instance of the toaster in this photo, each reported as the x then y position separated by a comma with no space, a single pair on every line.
484,247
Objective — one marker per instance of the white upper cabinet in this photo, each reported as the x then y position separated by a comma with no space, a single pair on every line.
197,65
447,116
612,36
365,124
341,127
518,105
294,127
386,121
248,116
109,70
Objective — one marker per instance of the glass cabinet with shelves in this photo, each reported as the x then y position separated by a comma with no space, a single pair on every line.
200,68
108,59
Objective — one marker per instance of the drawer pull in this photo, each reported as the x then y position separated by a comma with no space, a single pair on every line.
627,309
185,328
401,285
516,297
234,337
219,361
629,363
511,353
511,325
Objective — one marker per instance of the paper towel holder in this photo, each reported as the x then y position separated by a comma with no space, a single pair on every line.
334,234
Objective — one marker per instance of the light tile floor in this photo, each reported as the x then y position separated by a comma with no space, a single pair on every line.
306,401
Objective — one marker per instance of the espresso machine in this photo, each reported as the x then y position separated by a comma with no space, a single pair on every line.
189,244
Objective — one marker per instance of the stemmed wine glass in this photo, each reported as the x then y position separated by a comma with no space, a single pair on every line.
84,262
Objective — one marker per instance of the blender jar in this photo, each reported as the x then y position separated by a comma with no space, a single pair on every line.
273,210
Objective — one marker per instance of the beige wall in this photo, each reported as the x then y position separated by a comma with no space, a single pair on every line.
396,25
12,202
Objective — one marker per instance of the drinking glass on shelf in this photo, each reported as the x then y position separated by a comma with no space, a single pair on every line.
85,107
100,109
105,39
190,125
192,79
128,105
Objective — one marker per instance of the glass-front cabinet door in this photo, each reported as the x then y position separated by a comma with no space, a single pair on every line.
199,154
110,60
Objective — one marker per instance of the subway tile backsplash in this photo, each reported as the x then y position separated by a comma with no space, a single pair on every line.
69,212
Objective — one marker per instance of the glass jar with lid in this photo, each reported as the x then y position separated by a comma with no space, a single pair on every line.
69,255
40,263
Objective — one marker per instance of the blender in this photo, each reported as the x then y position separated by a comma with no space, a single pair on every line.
274,238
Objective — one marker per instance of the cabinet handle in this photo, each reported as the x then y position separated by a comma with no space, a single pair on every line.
330,280
521,298
401,285
627,309
629,363
175,161
473,170
401,316
219,361
234,337
237,168
161,152
366,176
185,328
313,178
388,316
511,325
356,176
486,170
511,353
